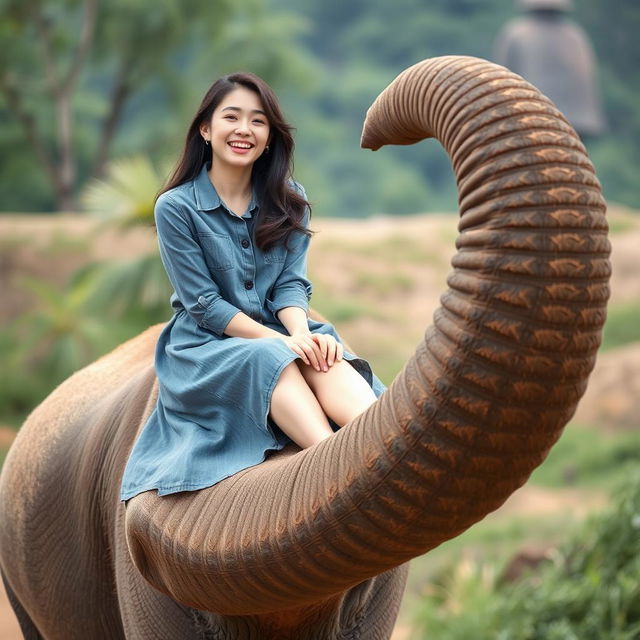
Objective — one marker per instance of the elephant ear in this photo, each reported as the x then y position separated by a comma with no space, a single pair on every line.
474,411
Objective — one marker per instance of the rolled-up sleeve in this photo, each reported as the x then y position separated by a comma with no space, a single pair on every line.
187,270
292,288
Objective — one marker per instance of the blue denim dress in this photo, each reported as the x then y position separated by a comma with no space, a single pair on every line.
211,418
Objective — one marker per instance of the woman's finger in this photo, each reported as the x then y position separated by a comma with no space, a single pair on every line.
296,349
339,351
326,343
317,349
332,351
311,354
322,341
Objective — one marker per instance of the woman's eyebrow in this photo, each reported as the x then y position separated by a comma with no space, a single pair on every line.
239,109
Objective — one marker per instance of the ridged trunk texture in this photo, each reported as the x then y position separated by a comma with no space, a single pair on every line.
473,412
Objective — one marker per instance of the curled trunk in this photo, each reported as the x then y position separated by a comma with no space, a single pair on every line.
472,413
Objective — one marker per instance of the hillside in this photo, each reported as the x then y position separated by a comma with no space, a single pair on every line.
379,280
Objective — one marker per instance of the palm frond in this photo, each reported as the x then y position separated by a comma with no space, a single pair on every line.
126,196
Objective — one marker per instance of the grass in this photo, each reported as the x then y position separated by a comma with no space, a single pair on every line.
61,244
335,308
622,325
385,283
585,457
396,248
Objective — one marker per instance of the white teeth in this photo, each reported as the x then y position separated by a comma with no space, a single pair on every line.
241,145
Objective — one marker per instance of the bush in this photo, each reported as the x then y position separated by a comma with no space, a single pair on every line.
588,590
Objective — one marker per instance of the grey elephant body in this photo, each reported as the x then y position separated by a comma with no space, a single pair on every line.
65,561
314,543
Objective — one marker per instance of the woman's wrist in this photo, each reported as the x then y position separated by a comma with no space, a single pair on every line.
242,326
294,320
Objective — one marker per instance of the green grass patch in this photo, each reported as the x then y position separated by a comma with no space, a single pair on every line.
336,309
622,326
386,366
384,284
396,248
585,457
620,225
60,244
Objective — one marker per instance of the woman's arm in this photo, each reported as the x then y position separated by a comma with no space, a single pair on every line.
187,270
300,341
294,319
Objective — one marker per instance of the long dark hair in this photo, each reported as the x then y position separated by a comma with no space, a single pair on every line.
281,208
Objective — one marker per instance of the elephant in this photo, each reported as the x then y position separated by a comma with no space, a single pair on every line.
315,543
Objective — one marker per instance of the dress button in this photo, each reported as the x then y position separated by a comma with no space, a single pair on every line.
244,243
248,284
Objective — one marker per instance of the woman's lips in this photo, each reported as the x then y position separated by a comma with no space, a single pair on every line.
237,148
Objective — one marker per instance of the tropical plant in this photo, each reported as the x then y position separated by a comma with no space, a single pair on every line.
587,589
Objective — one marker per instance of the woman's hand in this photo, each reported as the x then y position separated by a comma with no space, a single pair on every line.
317,350
302,343
330,349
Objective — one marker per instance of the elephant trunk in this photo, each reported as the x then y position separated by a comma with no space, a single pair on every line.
472,413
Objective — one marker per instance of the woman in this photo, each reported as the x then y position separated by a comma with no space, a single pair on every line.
241,368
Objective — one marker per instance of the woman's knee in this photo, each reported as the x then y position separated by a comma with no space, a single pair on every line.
340,371
290,375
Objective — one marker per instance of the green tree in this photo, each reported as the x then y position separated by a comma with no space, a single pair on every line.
98,67
362,46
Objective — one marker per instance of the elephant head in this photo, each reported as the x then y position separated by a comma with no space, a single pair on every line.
473,412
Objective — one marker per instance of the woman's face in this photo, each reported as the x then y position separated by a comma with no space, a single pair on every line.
238,130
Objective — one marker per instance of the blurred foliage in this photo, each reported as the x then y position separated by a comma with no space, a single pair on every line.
146,68
98,308
327,60
585,590
125,197
364,45
587,457
101,304
622,325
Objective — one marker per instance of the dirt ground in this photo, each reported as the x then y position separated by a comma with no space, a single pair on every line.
346,255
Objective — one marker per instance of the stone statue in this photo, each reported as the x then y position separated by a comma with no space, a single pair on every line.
554,54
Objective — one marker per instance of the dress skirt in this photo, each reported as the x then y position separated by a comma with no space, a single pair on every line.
211,418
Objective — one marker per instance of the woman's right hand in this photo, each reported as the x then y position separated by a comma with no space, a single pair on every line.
307,348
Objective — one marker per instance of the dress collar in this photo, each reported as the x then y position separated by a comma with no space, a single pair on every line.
207,197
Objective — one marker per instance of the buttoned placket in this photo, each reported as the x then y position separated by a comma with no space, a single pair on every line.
244,226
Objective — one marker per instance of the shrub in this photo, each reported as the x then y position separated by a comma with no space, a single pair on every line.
588,590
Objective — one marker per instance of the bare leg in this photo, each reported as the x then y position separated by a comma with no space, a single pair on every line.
341,391
296,410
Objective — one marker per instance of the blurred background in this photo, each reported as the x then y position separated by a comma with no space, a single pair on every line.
95,99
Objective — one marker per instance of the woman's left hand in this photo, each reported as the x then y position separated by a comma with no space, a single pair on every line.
332,351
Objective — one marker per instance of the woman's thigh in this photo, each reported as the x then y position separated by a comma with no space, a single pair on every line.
340,385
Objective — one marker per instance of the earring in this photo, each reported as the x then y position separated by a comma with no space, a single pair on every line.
266,149
206,141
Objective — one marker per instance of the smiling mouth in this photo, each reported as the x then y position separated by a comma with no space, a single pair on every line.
240,145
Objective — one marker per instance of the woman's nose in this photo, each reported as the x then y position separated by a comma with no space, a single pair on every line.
242,127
